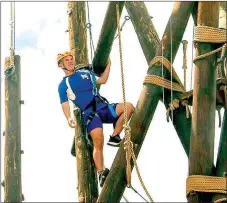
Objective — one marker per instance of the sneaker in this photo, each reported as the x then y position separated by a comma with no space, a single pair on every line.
102,176
114,141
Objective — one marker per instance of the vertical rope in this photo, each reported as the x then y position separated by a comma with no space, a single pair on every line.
128,143
171,61
12,35
185,44
163,89
92,47
127,135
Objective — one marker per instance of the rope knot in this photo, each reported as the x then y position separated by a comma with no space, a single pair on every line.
172,106
185,103
127,127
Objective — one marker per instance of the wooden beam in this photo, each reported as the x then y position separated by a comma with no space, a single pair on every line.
204,103
13,133
78,32
87,177
87,184
106,37
116,181
222,156
142,23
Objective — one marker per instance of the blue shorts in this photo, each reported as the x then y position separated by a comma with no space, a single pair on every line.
106,114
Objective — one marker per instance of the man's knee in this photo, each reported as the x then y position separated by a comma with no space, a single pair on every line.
97,137
130,107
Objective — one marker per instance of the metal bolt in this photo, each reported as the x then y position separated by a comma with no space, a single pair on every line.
21,101
4,133
3,183
22,151
67,31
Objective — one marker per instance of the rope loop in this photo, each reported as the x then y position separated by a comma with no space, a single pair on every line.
127,18
88,25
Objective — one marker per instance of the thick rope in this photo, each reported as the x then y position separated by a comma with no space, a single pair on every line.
185,44
167,64
210,35
128,143
162,82
200,183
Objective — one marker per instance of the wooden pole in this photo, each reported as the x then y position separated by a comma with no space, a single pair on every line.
142,23
116,181
13,133
106,37
87,185
87,177
222,155
180,122
78,32
204,103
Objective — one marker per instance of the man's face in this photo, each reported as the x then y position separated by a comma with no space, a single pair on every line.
68,62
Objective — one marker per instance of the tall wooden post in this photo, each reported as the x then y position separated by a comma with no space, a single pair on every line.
204,103
77,31
87,177
116,181
13,133
222,155
106,37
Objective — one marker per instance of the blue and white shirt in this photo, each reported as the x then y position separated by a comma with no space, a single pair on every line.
83,86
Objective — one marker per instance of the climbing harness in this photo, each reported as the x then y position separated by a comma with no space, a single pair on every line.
9,71
128,145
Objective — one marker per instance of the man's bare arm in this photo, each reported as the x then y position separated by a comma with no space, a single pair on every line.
66,110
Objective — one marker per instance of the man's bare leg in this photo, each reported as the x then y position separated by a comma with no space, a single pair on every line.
120,112
98,140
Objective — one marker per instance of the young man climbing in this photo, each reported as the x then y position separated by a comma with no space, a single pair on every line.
79,86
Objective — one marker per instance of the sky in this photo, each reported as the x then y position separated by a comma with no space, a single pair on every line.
48,169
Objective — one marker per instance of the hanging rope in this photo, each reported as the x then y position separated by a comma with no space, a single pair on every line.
185,44
11,68
88,25
128,145
123,24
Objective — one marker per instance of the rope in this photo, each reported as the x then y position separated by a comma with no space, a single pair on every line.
123,24
162,82
185,44
88,25
200,183
224,88
138,193
172,106
167,64
218,107
210,35
171,61
12,41
128,145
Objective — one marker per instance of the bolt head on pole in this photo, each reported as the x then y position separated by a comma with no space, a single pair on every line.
22,151
3,183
